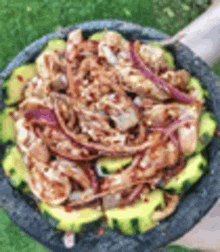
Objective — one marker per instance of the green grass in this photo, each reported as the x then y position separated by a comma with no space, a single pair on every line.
171,16
22,22
12,239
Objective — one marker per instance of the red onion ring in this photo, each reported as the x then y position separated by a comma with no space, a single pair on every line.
150,75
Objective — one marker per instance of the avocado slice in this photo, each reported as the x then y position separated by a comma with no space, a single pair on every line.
137,218
167,56
114,163
54,44
97,36
15,84
193,171
71,220
196,85
7,126
206,130
101,35
15,168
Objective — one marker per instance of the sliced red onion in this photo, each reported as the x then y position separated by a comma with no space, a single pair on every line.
41,115
175,141
150,75
135,193
37,132
95,183
173,126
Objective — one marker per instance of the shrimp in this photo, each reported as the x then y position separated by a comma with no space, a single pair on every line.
116,182
36,87
73,170
174,201
178,78
188,138
121,110
48,64
105,51
143,168
35,103
157,116
48,184
159,156
62,146
25,138
152,57
40,151
75,37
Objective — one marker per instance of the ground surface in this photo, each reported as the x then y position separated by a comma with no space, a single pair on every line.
22,22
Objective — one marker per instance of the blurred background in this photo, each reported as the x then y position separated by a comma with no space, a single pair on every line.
23,21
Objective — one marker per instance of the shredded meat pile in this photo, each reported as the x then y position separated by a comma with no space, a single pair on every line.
108,98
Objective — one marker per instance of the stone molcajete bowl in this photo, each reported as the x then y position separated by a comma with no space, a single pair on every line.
196,203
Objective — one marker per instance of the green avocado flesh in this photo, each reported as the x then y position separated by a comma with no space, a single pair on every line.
137,218
15,84
54,44
71,220
195,84
206,130
101,36
15,168
167,56
97,36
193,171
112,164
7,126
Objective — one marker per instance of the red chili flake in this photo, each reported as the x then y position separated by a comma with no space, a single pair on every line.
34,85
68,209
106,109
101,60
100,231
117,98
20,77
92,43
11,114
217,133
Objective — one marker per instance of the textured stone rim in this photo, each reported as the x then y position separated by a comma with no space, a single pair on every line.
196,203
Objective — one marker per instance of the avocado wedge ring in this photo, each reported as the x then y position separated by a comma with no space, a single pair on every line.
50,126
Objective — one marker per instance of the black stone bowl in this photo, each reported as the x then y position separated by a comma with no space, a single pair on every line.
196,203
